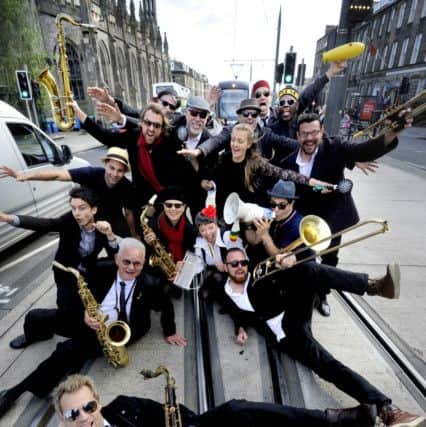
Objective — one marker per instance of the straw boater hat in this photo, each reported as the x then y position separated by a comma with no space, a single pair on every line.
117,154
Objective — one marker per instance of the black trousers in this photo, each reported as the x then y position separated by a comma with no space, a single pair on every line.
42,323
243,413
299,342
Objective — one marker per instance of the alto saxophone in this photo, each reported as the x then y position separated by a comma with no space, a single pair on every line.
171,406
112,336
160,258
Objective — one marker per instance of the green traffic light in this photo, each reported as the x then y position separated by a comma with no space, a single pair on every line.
288,79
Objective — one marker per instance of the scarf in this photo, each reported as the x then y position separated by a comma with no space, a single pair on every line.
146,168
173,235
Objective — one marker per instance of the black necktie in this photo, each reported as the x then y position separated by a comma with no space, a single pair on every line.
122,315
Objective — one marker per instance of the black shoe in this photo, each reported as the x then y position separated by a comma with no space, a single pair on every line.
19,342
5,403
323,307
388,285
363,415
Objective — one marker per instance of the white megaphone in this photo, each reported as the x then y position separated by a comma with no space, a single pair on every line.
235,210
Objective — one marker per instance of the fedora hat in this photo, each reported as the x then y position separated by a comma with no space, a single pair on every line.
117,154
248,104
198,103
283,190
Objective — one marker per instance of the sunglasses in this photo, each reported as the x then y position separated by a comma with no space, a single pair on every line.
281,205
148,124
236,263
249,114
288,102
167,104
201,114
259,94
173,205
88,408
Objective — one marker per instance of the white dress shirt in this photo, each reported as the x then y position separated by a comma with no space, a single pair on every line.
305,168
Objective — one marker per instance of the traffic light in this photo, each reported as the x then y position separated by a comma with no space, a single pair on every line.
24,85
405,86
300,78
289,67
279,70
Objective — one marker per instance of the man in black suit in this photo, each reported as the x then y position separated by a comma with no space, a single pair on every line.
281,309
81,239
77,403
125,292
324,158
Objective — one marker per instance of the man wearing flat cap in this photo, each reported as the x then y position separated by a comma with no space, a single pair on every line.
114,190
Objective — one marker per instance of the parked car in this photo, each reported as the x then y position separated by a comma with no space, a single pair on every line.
23,146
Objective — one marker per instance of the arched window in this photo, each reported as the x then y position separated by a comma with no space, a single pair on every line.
75,72
105,64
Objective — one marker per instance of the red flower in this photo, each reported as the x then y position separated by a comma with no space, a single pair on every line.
209,212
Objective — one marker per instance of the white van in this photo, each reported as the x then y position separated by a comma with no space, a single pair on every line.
23,146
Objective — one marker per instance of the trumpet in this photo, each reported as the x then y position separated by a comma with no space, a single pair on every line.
318,238
392,115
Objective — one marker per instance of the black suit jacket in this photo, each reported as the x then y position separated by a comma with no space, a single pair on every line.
148,295
68,253
332,157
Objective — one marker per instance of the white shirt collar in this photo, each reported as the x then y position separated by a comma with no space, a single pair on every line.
202,243
230,291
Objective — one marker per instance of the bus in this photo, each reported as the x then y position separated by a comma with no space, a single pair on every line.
181,91
232,92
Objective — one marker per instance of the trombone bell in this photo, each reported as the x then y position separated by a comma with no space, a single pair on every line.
312,229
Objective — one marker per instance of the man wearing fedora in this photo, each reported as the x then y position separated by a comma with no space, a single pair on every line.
115,192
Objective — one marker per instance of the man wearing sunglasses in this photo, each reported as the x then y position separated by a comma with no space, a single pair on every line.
280,308
125,292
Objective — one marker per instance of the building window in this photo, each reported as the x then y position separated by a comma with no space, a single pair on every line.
416,48
424,9
401,15
385,54
403,52
382,24
412,11
393,54
75,72
392,17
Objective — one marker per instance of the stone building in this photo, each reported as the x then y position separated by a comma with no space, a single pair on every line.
124,51
188,77
395,42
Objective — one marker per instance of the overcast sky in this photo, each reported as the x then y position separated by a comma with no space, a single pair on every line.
206,34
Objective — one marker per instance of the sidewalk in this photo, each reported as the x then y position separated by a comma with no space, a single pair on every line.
77,141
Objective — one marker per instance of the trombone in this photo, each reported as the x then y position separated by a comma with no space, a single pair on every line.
392,115
313,233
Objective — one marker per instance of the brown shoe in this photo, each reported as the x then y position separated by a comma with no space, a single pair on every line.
395,417
363,415
388,285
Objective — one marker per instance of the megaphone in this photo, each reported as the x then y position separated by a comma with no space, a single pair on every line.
235,210
343,52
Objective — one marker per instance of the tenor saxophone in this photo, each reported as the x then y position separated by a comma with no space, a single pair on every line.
160,258
112,336
62,113
171,406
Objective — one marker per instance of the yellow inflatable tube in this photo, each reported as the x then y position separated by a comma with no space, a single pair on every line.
343,52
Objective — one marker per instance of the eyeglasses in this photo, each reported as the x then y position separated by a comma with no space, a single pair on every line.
88,408
236,263
314,133
167,104
169,205
250,114
201,114
127,262
148,124
259,94
281,205
288,102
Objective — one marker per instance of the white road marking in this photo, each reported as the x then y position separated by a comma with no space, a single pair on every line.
28,255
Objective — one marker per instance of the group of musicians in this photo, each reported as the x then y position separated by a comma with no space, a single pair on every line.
281,159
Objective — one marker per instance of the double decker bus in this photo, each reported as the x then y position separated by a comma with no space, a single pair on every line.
232,92
181,91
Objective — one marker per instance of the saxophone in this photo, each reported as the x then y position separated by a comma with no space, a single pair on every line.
113,336
160,258
63,114
171,406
